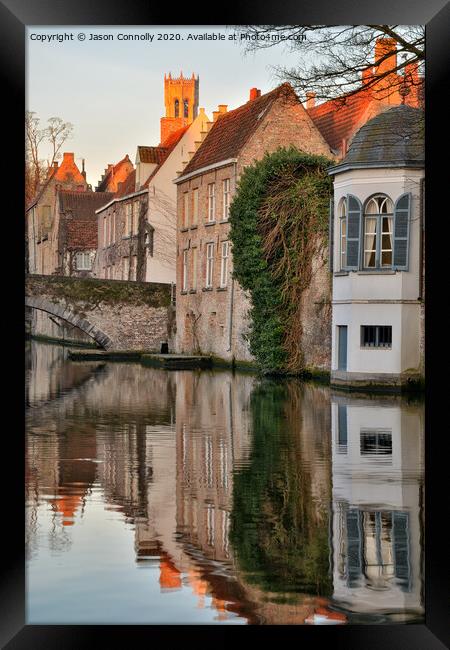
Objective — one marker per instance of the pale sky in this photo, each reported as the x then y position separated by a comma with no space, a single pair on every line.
113,91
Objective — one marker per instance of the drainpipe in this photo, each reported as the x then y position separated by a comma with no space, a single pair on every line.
421,238
230,320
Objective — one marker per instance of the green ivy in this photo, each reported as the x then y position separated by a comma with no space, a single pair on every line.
270,314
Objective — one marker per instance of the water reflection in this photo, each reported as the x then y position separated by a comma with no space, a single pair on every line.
208,497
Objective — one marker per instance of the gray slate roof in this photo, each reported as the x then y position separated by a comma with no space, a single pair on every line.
394,138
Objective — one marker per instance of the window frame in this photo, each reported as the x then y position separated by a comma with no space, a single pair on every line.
195,204
225,245
376,346
211,202
342,216
184,285
226,187
83,268
379,219
194,268
209,265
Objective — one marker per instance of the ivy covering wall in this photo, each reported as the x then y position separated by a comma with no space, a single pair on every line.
279,222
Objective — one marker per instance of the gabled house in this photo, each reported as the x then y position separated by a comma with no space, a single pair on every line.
114,175
211,306
41,214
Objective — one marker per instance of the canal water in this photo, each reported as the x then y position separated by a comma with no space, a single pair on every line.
159,496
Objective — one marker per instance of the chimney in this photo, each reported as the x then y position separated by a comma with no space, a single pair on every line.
310,99
222,108
215,115
384,46
55,165
83,171
68,157
254,93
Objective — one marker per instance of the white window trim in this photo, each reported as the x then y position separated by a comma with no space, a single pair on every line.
185,270
226,199
209,265
225,246
211,202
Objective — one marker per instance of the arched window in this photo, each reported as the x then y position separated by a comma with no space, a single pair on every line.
177,108
378,232
186,108
342,211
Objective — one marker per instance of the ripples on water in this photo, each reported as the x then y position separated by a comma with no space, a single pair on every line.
208,497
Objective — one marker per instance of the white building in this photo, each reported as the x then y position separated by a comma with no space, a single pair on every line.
377,253
377,460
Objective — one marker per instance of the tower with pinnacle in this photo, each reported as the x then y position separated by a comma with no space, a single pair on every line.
181,96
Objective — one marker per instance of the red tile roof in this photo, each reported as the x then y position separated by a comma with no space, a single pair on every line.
152,154
337,120
81,235
231,131
81,206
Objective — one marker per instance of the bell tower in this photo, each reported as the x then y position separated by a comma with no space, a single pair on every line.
181,103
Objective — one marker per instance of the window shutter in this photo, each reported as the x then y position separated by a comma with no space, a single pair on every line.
354,212
331,236
402,212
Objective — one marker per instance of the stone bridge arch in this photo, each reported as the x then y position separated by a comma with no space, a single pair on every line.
68,315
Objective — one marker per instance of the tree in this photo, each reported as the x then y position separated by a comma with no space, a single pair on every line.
333,59
55,134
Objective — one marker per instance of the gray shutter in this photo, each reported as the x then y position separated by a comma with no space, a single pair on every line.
331,236
402,211
354,215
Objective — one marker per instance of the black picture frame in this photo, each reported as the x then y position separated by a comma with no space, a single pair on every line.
435,14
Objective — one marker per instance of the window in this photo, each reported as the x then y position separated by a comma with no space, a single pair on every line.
343,234
128,219
376,336
135,225
83,262
224,265
378,231
185,270
209,264
185,209
177,108
113,228
126,268
105,232
194,218
226,199
186,108
133,267
194,269
211,202
374,442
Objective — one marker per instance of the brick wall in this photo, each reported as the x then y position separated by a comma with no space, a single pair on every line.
204,315
133,316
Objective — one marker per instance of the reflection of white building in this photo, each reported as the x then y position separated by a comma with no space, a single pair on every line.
377,449
377,335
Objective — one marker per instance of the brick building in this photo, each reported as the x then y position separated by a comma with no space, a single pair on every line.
76,231
137,227
41,214
114,175
211,306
